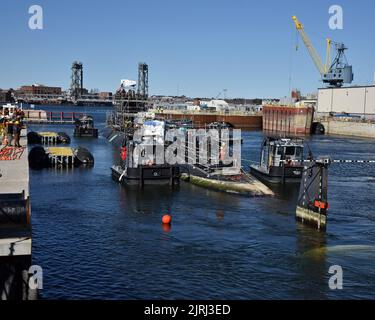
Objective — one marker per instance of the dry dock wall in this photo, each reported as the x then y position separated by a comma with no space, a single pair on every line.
288,119
355,101
349,128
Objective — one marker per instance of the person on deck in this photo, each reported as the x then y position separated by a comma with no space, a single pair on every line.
17,132
9,132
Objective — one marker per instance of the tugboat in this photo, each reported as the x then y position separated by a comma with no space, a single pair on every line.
84,127
136,168
281,161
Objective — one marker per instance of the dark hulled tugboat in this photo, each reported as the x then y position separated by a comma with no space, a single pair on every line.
281,161
137,167
84,127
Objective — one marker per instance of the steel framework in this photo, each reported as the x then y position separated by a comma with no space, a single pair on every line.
76,86
142,80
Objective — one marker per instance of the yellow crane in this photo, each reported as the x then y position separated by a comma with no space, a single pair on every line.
334,73
314,55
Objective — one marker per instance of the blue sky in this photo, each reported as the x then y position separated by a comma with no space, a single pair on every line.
196,48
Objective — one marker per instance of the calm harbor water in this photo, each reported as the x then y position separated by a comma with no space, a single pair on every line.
97,239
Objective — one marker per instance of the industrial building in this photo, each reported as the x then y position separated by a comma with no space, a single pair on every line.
358,100
36,89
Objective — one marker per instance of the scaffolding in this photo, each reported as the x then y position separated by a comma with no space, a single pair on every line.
127,104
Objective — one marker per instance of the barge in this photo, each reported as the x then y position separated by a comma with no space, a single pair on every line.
238,120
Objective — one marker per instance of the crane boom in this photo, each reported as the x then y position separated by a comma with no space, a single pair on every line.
334,73
328,56
314,55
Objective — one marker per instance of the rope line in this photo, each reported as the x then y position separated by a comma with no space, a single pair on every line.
329,161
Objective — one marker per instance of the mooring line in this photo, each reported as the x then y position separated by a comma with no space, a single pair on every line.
327,160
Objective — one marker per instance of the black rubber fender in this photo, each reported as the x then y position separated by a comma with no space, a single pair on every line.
83,156
38,158
34,138
318,128
63,138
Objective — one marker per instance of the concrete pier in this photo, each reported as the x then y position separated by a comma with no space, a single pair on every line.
15,227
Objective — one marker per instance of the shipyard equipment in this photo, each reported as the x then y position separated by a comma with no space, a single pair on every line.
334,73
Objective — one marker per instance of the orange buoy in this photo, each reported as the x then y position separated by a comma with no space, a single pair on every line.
167,219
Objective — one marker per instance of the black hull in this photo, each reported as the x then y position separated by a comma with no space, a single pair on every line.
277,175
153,175
90,133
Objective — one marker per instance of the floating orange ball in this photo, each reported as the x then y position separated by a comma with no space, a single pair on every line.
167,219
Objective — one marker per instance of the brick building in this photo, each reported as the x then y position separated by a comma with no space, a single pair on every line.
40,89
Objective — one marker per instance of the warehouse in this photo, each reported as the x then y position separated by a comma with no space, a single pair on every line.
359,100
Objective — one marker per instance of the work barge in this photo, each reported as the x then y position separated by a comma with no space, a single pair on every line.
238,119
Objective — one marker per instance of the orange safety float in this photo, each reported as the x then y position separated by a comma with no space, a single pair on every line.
167,219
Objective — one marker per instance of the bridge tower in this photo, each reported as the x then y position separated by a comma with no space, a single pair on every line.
76,86
142,80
